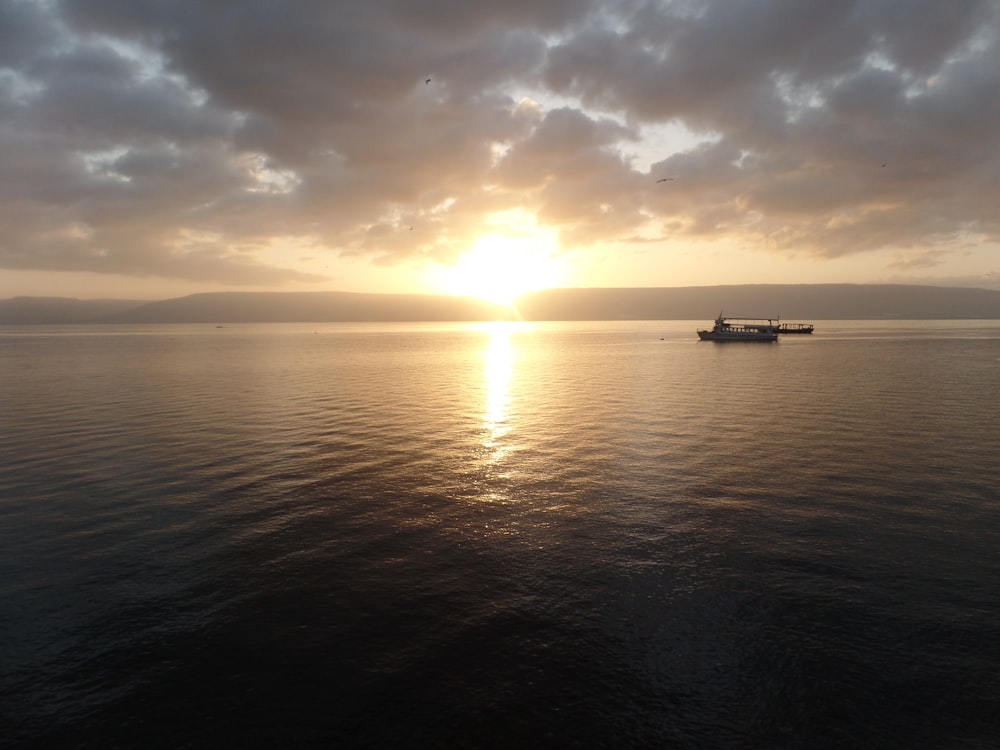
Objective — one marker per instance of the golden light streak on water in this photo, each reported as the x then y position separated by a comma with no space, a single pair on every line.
498,369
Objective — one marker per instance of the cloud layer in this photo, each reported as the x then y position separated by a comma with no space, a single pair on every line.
196,140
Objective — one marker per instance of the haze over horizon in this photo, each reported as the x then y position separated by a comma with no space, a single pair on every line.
492,148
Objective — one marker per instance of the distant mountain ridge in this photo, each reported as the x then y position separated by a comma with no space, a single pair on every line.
61,310
790,302
786,301
309,307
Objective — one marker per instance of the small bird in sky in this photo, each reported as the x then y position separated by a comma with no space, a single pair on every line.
427,81
671,179
883,164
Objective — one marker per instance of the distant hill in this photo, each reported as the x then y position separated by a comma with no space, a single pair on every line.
791,302
787,301
310,307
61,310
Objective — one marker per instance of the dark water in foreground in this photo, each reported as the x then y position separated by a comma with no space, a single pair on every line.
573,535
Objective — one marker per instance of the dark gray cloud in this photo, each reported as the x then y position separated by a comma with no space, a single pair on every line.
180,138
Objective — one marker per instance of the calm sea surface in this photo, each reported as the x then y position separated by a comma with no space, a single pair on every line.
550,535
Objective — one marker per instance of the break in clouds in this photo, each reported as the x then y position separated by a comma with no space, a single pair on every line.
191,139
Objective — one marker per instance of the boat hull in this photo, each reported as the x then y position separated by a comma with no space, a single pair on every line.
747,336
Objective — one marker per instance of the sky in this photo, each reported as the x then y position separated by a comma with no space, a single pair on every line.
157,148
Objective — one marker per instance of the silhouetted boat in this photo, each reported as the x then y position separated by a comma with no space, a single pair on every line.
740,329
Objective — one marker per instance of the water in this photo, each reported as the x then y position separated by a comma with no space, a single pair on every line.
564,535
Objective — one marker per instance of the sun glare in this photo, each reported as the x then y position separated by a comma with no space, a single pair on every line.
500,268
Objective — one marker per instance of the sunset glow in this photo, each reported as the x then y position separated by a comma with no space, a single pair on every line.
499,269
490,149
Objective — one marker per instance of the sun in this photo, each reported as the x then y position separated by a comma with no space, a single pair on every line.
501,268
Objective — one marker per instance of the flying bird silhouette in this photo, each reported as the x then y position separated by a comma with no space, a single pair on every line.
427,81
671,179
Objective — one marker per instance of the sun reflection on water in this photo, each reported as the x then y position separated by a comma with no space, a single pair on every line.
497,443
499,367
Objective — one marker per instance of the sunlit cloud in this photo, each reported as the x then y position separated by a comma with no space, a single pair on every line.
135,141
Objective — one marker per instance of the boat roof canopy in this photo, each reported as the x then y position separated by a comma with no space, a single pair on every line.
730,319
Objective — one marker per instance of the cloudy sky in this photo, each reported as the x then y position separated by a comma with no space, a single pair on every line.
153,148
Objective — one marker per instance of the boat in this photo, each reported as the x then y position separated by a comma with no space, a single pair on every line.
740,329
